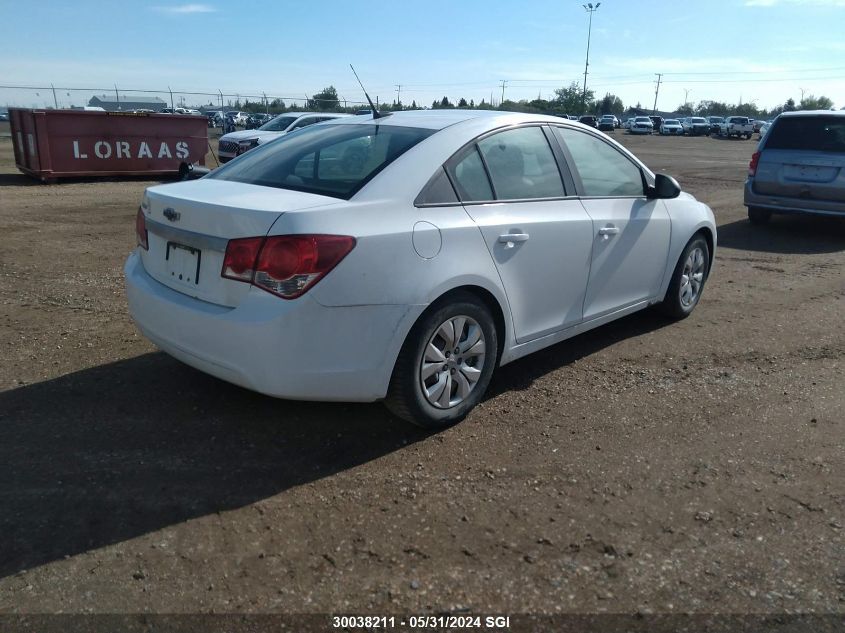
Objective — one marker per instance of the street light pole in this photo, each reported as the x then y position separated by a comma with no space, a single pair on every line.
589,8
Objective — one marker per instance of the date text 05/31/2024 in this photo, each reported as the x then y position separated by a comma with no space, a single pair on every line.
421,621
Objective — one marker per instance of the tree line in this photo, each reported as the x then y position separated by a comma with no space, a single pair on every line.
569,100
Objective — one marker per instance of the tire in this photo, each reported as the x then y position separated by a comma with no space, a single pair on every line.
759,216
412,395
688,279
747,137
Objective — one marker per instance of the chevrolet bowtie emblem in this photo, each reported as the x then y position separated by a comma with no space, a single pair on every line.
172,214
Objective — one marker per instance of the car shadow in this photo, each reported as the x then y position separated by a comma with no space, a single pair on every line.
109,453
799,234
522,373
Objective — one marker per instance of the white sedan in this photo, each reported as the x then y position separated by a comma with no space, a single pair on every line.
404,258
234,144
641,125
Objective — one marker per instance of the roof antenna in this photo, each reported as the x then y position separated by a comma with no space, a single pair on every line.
376,114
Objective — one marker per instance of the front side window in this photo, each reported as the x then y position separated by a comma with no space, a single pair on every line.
604,170
330,160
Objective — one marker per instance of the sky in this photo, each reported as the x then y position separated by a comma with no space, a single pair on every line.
760,51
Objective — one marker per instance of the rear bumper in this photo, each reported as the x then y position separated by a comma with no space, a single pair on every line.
296,349
781,204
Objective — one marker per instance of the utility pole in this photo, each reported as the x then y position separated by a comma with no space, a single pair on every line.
55,101
504,83
802,94
589,8
656,92
686,95
398,93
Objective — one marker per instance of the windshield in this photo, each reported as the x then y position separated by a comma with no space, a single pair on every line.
716,119
813,133
643,119
698,120
279,124
330,160
671,122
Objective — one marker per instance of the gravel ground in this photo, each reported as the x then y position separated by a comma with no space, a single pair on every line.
646,467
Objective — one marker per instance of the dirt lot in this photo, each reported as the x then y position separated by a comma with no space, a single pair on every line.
649,466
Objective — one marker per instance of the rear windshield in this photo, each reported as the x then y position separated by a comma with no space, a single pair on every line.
816,133
330,160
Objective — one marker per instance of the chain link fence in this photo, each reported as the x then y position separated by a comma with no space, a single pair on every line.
119,99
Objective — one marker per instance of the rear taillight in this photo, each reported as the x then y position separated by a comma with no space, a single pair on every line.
752,166
141,230
285,265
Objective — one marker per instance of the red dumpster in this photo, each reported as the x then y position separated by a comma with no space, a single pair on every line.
51,144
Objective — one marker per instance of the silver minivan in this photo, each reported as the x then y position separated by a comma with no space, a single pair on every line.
799,167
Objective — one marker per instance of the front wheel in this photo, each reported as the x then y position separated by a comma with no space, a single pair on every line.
688,280
446,363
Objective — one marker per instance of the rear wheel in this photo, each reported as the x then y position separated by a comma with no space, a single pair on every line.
758,216
445,365
687,280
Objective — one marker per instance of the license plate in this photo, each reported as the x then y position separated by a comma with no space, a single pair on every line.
183,263
809,173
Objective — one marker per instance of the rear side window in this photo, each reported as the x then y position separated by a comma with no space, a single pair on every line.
812,133
471,179
521,165
604,170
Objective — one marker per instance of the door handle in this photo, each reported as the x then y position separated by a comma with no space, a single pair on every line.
512,238
607,231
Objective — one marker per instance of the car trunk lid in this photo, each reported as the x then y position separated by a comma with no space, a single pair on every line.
189,225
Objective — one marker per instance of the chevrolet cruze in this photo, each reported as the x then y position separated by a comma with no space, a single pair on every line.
403,258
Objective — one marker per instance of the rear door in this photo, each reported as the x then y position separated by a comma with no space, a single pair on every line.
537,231
803,157
630,236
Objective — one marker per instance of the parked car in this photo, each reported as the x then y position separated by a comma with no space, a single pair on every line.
607,123
588,119
656,122
234,144
256,120
641,125
695,126
671,127
764,128
799,167
297,273
738,126
628,123
715,122
4,116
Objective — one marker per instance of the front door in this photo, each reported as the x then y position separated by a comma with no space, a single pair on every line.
630,241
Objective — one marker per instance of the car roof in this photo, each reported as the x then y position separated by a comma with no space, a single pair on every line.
804,113
440,119
313,113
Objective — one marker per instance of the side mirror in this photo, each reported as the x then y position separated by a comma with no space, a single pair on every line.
665,187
